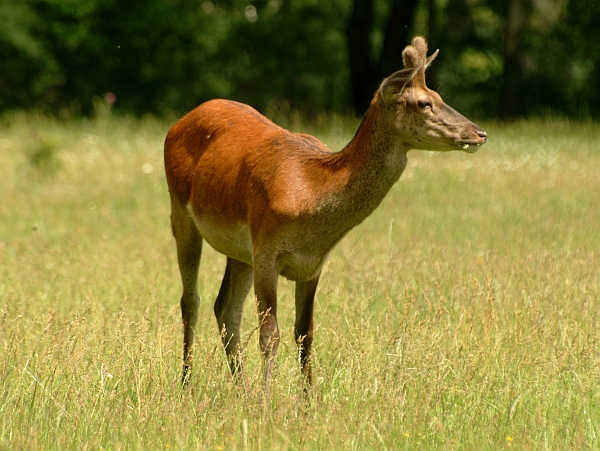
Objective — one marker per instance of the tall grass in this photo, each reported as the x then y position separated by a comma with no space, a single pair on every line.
463,314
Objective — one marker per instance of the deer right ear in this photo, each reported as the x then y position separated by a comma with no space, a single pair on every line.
392,87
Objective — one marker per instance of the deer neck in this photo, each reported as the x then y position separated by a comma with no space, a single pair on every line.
365,170
372,162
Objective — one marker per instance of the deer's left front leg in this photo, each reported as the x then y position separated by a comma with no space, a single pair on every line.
303,327
265,288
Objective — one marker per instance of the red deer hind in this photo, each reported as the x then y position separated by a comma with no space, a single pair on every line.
276,203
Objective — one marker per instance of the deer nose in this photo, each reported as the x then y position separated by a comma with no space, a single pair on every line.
482,135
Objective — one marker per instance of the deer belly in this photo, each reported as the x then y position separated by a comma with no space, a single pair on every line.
233,241
300,266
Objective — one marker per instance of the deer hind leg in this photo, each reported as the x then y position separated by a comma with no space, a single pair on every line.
303,327
189,250
228,310
265,288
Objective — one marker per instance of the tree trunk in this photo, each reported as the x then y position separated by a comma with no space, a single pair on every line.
366,70
512,78
433,40
397,36
358,34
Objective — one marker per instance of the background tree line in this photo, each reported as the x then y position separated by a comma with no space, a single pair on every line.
505,58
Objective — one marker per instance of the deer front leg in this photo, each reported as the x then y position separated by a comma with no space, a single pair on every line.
303,327
265,288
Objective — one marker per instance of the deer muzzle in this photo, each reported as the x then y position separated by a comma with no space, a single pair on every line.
472,143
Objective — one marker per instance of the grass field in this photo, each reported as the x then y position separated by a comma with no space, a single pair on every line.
463,314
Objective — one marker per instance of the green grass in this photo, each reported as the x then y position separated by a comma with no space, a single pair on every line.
463,314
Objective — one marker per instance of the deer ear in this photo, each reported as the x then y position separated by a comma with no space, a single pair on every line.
392,87
431,58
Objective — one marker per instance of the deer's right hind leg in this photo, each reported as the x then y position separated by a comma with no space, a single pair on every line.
229,305
189,250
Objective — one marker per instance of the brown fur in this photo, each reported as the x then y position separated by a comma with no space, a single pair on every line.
277,202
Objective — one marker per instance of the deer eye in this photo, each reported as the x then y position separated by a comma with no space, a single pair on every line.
424,104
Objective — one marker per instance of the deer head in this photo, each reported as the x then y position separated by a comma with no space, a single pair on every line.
421,117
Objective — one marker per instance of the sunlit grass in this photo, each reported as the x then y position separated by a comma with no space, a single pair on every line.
463,314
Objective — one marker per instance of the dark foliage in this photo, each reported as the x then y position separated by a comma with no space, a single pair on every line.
498,57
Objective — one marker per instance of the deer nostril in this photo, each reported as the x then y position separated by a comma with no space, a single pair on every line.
481,134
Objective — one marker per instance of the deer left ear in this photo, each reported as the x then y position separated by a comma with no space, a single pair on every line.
392,87
431,58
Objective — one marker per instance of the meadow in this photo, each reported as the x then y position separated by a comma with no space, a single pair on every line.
462,315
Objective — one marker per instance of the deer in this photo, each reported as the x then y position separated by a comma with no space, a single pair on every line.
275,203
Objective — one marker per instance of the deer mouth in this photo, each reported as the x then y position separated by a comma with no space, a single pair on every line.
469,147
472,146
